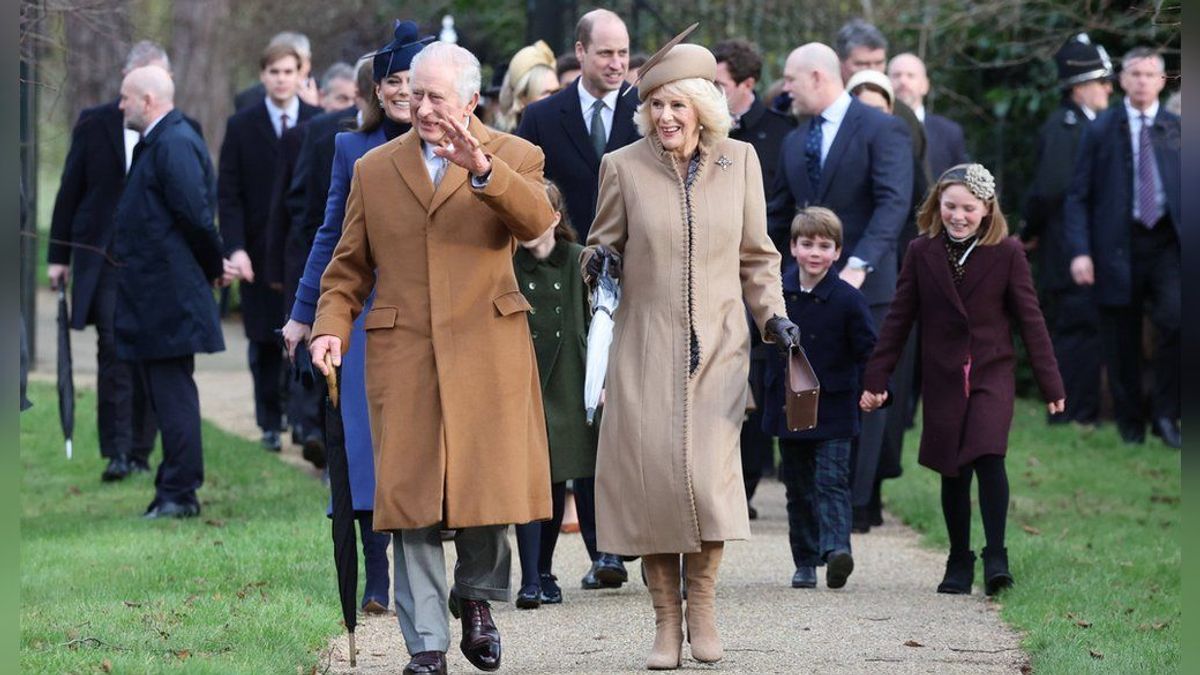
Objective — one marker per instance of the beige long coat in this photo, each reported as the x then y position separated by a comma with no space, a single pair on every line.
668,467
452,382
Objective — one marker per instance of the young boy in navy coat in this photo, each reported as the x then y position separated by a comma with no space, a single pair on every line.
838,336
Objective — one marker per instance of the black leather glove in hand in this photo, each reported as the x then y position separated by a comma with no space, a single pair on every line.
782,332
596,263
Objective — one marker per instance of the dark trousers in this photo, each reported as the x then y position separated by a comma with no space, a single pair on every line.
1155,289
266,367
868,447
171,392
816,478
757,452
1074,321
305,405
897,419
585,508
115,381
375,560
536,541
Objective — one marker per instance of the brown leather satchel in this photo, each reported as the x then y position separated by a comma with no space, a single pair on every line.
803,392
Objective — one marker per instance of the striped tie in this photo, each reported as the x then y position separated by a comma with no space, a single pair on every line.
1147,195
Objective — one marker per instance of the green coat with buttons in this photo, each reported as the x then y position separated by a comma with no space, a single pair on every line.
558,324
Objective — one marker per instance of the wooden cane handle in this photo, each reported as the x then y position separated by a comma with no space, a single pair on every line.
331,379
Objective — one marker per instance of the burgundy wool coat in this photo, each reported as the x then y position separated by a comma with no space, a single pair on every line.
967,354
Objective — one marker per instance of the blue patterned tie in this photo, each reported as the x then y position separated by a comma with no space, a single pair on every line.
812,151
1147,195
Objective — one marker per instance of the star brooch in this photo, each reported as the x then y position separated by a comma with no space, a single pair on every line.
724,162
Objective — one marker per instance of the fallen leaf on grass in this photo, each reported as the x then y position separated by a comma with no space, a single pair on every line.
1164,499
1158,625
183,654
1083,624
912,643
1033,461
130,603
74,490
1095,654
215,522
1029,529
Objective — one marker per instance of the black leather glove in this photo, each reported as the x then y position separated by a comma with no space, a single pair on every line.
782,332
596,263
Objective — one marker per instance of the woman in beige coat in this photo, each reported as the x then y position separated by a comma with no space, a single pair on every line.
681,215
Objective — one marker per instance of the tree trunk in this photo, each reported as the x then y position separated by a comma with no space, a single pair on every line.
97,39
201,61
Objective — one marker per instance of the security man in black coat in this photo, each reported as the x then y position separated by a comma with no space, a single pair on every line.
248,162
739,67
169,256
1085,77
81,238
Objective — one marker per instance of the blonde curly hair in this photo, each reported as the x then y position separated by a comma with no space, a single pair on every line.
712,110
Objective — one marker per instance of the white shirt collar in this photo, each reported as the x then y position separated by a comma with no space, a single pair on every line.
586,100
1088,112
837,110
292,109
149,127
1134,114
919,111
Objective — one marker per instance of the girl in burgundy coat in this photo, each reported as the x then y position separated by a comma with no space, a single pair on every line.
966,282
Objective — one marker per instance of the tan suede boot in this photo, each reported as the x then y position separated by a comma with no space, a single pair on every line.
662,578
701,570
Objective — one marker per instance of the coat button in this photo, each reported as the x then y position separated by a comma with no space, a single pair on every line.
532,285
557,333
558,310
557,286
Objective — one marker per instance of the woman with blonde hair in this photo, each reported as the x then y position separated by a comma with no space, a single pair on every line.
531,76
681,220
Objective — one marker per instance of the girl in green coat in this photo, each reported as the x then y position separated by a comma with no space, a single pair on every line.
547,271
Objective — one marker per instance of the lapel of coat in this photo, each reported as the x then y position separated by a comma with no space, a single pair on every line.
262,122
935,257
571,117
622,119
979,267
456,176
846,130
410,164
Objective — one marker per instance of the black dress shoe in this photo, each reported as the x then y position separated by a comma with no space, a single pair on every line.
1131,433
805,577
426,662
480,637
860,521
589,582
550,591
875,516
996,576
529,597
172,510
1168,430
960,574
138,465
271,442
839,565
118,468
313,450
610,571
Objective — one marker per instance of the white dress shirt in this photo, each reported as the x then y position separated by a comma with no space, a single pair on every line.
1135,130
919,112
131,139
292,109
606,113
833,116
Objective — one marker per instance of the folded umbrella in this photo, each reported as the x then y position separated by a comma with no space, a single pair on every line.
345,543
606,295
66,381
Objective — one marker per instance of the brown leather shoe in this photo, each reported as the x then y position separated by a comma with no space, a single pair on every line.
423,663
481,639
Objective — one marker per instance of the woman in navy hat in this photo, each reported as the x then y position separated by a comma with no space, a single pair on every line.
385,116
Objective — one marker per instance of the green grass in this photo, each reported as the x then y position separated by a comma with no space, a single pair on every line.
248,587
1093,534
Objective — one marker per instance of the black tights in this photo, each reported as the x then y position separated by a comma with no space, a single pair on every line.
993,503
536,540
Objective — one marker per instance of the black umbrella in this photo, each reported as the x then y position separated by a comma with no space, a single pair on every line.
345,543
66,383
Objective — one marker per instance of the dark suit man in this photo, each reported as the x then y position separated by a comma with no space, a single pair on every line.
1123,225
169,254
307,89
248,163
739,67
1084,73
945,143
858,162
574,128
81,232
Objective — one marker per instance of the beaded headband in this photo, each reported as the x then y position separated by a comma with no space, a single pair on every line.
979,181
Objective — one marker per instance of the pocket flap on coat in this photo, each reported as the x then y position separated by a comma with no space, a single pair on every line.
380,317
511,303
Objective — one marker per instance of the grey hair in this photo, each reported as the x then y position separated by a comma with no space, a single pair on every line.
297,41
464,63
858,33
1138,53
145,53
338,71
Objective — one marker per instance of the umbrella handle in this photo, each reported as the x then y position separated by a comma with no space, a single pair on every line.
332,381
353,651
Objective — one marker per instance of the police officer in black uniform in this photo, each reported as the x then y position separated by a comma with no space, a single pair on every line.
1085,76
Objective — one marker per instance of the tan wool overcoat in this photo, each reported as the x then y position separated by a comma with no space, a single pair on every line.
452,382
668,466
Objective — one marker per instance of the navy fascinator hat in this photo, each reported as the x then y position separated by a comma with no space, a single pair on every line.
398,54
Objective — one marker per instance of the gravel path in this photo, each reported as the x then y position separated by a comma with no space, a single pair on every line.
888,619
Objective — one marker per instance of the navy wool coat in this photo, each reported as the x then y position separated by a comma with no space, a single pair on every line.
967,354
838,335
168,248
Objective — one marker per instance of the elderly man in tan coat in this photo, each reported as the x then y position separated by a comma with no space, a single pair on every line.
432,221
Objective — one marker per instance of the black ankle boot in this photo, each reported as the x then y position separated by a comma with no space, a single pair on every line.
960,573
995,570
